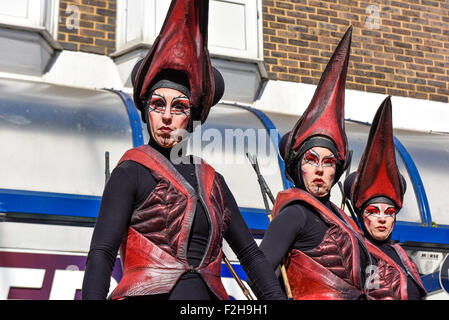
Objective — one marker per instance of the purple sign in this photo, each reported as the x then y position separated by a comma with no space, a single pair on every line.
41,276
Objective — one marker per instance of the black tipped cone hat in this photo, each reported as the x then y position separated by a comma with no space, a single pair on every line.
324,117
378,174
182,47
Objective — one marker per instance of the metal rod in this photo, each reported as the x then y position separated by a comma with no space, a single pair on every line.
266,191
237,278
107,172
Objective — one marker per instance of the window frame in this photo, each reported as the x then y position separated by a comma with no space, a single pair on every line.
153,15
41,15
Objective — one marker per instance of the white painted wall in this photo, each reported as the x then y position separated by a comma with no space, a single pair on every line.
79,69
85,70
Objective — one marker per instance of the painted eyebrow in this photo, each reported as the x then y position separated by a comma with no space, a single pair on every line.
378,208
175,98
311,153
318,156
158,96
180,97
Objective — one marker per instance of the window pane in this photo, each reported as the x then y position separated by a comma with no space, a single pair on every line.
222,32
133,19
16,8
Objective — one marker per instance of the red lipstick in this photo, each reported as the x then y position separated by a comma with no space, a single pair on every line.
165,129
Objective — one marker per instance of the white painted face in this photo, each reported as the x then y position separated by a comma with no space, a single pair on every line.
379,219
318,166
169,115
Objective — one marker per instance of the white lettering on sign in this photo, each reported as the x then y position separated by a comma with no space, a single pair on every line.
66,282
19,278
64,286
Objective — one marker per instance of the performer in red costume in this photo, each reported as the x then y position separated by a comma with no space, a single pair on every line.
169,219
376,192
324,257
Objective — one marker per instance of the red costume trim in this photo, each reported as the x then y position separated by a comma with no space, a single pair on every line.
378,176
392,278
332,270
412,268
154,252
390,282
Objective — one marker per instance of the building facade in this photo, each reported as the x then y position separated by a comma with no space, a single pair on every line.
271,54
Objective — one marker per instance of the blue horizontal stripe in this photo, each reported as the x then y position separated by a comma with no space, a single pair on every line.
237,268
256,219
46,203
415,232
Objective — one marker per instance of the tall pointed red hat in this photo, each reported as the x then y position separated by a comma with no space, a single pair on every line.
325,114
378,174
181,46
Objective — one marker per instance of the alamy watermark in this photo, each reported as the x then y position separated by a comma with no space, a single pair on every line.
72,21
372,281
228,146
373,19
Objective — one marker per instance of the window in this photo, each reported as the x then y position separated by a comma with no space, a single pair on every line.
30,13
234,26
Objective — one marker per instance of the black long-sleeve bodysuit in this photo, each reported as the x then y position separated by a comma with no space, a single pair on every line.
297,226
129,185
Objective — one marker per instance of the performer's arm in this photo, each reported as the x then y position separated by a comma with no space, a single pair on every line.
282,233
263,280
116,206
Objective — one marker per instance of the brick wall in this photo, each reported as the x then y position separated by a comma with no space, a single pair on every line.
87,25
400,48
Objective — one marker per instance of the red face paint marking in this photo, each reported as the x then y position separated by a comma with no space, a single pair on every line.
168,125
379,220
314,159
318,171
